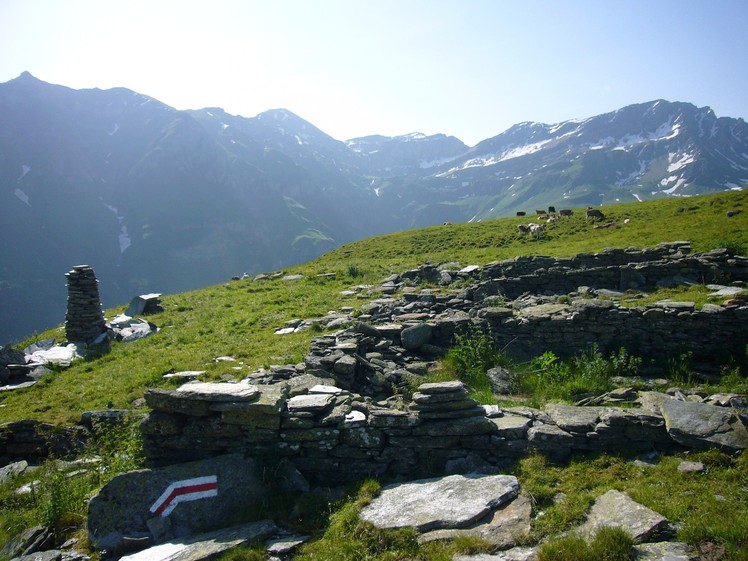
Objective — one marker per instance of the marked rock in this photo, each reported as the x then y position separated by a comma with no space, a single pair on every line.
122,510
455,501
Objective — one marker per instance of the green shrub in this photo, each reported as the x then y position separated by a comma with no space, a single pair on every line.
609,544
547,377
471,356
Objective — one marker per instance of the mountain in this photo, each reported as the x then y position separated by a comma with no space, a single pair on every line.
160,200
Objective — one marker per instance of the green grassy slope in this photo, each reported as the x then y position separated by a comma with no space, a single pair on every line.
238,318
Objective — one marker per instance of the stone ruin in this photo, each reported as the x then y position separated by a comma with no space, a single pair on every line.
345,413
84,320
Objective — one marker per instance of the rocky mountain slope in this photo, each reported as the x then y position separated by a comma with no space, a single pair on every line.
160,200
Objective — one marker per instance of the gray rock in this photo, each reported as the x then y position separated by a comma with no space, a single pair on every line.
415,336
700,425
11,470
504,527
513,554
285,545
662,551
433,388
617,509
500,379
124,505
206,546
429,504
29,541
572,418
691,467
314,403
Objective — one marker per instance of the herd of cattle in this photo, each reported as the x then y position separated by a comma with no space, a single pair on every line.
551,216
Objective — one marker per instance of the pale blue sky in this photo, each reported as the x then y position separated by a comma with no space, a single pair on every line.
471,68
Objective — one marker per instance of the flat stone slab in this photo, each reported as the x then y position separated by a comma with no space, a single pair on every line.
455,501
618,509
311,402
218,391
206,546
699,425
502,527
572,418
185,374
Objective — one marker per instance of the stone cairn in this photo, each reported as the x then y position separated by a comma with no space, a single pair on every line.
84,320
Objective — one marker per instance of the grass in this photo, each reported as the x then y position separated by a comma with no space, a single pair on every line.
238,318
696,501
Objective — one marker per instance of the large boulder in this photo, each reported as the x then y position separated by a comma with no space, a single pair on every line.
699,425
455,501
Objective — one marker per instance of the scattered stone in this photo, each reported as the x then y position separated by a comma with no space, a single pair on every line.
285,545
691,467
188,374
618,509
206,546
513,554
429,504
663,551
145,304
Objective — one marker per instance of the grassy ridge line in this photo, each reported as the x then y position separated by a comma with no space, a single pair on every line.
239,318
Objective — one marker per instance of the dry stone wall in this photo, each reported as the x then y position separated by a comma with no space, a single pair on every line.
340,415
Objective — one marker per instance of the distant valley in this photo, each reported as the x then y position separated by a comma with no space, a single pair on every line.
160,200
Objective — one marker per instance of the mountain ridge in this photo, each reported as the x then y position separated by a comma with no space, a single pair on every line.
162,200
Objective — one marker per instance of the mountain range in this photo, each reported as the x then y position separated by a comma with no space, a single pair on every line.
161,200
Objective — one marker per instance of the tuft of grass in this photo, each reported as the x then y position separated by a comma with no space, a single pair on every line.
608,544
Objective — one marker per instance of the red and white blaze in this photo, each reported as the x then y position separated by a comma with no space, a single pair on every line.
183,491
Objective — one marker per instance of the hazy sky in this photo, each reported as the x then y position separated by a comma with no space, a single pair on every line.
470,68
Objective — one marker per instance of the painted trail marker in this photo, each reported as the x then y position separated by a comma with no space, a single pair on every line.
184,491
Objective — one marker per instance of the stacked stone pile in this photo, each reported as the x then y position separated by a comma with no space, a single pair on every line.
448,400
84,320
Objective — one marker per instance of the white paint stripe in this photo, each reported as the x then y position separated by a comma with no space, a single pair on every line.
188,497
184,483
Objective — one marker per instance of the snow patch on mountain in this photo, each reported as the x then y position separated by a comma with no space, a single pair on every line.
679,164
22,196
24,170
114,129
123,236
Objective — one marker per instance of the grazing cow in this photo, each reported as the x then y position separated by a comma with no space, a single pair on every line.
594,214
523,228
536,230
446,224
551,209
521,213
553,218
540,212
566,212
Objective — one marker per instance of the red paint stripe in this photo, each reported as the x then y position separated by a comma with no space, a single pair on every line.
184,491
